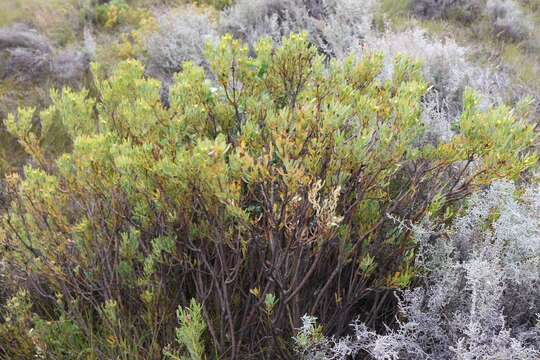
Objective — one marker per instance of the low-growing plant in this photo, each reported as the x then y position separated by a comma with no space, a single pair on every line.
444,62
508,20
251,20
25,54
28,57
189,333
505,17
58,20
114,13
181,37
266,190
29,66
461,10
218,4
480,296
336,27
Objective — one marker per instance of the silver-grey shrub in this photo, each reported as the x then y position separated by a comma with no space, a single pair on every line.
505,17
334,26
249,20
28,56
346,26
508,20
181,37
466,10
24,53
481,292
444,66
444,62
448,71
22,36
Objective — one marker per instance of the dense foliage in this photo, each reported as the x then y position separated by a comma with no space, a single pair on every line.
51,43
480,299
265,190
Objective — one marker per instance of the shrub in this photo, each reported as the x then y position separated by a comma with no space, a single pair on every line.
181,37
264,194
115,13
190,332
345,25
480,298
21,36
29,65
444,64
462,10
14,339
334,26
58,20
111,14
218,4
27,56
446,68
250,20
508,20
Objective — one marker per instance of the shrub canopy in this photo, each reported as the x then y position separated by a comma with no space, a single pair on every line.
266,190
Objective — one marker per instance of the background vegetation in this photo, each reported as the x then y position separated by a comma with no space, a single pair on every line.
318,179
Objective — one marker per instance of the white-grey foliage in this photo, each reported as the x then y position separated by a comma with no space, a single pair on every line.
481,292
444,61
335,26
508,20
26,55
251,19
90,47
22,36
435,9
505,16
69,66
446,69
181,37
347,24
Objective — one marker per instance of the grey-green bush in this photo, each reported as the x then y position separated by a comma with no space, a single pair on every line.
480,298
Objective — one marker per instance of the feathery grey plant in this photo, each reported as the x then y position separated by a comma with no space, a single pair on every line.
250,20
346,25
465,10
26,55
22,36
508,20
444,62
481,294
69,66
437,117
181,37
90,47
444,67
334,26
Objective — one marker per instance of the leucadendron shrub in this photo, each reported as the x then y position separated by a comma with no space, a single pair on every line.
271,188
